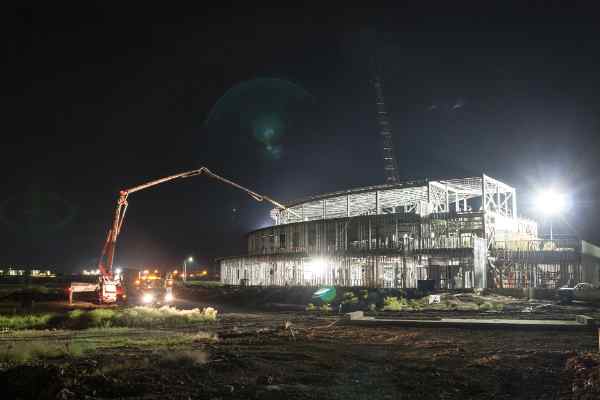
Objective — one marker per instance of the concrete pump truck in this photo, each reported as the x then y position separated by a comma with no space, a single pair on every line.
111,287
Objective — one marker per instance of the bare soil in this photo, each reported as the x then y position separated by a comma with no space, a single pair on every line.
302,356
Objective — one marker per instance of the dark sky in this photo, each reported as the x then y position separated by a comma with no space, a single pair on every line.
99,99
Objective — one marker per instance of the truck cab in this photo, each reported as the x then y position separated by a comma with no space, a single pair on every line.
151,288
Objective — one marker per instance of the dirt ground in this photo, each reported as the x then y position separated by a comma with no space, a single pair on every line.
301,356
256,354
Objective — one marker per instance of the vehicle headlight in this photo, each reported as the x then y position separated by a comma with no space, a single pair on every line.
148,298
168,297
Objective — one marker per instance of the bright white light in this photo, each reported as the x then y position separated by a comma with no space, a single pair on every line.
551,202
147,298
314,268
118,271
168,297
190,259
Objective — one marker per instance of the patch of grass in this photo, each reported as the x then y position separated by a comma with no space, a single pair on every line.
350,298
23,352
311,307
148,342
26,321
79,319
401,304
164,316
60,344
325,308
142,317
391,303
491,306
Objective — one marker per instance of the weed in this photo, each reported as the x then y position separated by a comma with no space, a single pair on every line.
395,304
28,321
311,307
325,307
350,298
19,353
106,318
164,316
490,306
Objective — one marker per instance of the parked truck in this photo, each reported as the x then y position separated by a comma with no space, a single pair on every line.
580,292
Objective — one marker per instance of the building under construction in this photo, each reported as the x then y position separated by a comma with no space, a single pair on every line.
454,234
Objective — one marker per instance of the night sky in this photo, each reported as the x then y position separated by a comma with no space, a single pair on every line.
95,100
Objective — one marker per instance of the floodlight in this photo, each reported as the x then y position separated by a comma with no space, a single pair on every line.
147,298
551,202
314,268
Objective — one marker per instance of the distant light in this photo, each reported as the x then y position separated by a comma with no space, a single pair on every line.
551,202
148,298
118,271
190,259
168,297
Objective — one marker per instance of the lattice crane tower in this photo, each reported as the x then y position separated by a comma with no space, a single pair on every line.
390,164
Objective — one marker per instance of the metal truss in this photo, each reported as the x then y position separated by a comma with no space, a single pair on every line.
420,197
498,197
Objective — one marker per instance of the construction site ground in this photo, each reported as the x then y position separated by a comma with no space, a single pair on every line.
255,354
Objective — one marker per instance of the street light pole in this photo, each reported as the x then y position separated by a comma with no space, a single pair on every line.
551,203
189,259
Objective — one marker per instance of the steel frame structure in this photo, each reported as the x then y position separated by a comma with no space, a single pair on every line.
422,197
461,233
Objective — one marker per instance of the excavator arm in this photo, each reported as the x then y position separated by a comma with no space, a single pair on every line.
108,251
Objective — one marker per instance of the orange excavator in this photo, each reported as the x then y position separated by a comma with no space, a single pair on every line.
111,287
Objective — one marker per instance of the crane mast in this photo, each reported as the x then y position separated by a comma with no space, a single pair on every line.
390,166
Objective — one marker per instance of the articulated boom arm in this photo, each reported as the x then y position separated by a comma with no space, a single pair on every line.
108,252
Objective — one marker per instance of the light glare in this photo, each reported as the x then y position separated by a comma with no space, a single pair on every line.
551,202
314,268
148,298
